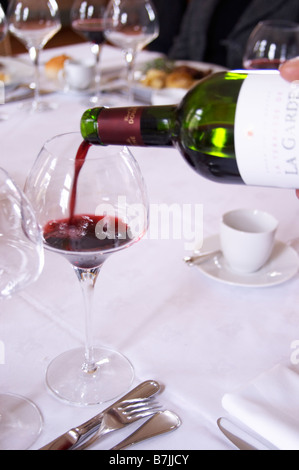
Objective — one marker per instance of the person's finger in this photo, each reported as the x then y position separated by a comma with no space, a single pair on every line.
289,70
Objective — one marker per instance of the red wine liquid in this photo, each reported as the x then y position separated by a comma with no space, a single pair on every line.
91,29
263,64
85,232
79,162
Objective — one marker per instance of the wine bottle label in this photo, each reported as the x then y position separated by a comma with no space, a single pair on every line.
120,126
267,131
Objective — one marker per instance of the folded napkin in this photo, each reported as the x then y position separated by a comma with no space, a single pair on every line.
269,405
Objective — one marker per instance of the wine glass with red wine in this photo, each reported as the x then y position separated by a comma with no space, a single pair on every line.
87,19
21,262
271,43
90,202
131,25
34,23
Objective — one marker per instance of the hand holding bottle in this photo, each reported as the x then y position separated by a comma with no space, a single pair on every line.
290,69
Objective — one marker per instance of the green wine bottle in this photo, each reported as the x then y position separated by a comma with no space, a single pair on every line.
232,127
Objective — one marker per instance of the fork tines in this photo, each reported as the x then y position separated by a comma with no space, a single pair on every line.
137,407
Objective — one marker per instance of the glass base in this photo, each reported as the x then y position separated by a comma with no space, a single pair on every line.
67,379
20,422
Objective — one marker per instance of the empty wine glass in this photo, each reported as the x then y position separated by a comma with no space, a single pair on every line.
87,18
21,262
34,23
131,25
89,206
270,44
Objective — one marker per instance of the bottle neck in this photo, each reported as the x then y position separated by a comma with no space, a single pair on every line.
136,125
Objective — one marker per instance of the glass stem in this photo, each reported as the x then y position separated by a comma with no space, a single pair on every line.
87,279
34,56
97,49
130,60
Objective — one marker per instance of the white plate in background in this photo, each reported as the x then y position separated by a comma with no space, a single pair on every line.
282,266
166,96
18,71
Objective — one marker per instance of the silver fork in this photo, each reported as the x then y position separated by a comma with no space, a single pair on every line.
117,417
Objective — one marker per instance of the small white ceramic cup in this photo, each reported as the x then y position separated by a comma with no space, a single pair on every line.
78,75
247,237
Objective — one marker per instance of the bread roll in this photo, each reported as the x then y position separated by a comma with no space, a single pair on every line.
181,76
4,77
54,65
179,79
155,79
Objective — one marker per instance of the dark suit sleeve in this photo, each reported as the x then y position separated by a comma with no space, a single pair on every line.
190,44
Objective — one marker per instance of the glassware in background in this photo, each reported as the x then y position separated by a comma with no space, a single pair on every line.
3,24
91,207
34,23
21,262
87,19
3,32
270,44
131,25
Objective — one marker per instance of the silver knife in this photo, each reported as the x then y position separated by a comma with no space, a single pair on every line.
242,438
70,438
161,422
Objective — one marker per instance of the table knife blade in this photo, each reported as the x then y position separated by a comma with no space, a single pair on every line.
70,438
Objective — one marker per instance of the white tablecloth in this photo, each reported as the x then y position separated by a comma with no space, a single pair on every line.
199,337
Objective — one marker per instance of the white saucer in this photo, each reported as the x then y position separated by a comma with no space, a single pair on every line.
282,266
